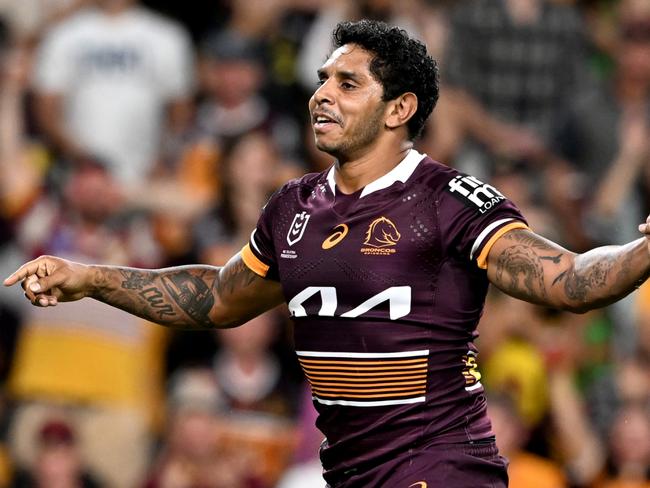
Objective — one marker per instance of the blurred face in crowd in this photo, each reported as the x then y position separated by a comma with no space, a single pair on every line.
233,81
193,433
634,34
634,54
252,338
347,110
630,436
92,193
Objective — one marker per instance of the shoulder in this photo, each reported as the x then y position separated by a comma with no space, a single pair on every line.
76,24
306,183
435,175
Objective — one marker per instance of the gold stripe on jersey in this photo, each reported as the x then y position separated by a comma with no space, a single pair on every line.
373,378
252,261
481,261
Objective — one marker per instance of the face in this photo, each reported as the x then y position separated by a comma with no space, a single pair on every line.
347,110
634,55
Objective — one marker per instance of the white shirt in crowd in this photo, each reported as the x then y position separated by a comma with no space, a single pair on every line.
116,74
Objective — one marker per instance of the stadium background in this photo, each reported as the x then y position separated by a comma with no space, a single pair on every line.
130,138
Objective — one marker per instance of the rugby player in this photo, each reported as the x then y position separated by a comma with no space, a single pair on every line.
384,261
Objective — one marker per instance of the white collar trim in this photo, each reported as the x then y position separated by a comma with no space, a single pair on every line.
401,172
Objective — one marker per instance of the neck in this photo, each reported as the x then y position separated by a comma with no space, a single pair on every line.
115,9
354,173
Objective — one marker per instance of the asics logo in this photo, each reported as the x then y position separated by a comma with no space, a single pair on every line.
419,484
341,231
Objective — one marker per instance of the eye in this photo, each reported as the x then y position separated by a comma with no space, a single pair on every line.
347,86
320,82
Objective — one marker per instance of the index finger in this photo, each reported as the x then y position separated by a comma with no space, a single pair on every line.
21,273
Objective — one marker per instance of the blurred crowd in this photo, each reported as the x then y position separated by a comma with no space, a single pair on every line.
151,134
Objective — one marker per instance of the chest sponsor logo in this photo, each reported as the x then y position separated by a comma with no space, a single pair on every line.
475,193
398,298
381,238
297,229
340,231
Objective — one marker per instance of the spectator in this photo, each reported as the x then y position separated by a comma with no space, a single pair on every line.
260,393
249,173
526,470
612,161
58,461
192,455
603,137
234,72
629,449
101,365
105,79
511,66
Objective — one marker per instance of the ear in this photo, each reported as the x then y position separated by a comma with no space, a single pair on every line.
401,110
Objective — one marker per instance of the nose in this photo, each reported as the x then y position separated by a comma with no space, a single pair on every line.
323,93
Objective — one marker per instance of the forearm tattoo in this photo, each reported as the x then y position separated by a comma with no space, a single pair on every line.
596,278
177,297
579,283
174,297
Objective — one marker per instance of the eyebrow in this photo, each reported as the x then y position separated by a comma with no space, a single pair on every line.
348,75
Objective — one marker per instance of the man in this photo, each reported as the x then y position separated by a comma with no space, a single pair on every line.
384,261
112,81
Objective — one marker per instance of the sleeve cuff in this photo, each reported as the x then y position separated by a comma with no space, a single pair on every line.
481,260
253,262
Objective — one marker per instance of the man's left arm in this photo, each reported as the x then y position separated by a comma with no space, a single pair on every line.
532,268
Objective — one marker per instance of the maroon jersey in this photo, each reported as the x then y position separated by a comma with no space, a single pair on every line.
386,287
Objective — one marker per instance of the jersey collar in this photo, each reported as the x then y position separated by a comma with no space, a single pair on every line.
401,172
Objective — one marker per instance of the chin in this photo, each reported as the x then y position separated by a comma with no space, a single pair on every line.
326,148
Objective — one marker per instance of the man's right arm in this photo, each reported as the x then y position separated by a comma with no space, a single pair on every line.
189,297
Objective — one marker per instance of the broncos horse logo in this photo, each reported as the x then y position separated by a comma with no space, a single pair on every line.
382,233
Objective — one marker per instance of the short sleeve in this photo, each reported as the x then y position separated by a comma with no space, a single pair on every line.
176,63
473,217
259,254
53,67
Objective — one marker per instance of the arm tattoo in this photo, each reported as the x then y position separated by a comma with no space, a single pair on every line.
191,294
136,280
526,274
155,298
579,283
142,282
555,259
232,277
525,238
183,297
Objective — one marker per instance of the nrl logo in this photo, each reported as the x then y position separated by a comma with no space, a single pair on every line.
381,236
297,229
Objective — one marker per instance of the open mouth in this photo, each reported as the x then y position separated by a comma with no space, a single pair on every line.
322,121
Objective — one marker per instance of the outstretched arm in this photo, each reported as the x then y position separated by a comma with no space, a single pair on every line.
181,297
528,266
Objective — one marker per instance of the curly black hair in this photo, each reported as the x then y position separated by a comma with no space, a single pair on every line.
399,63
